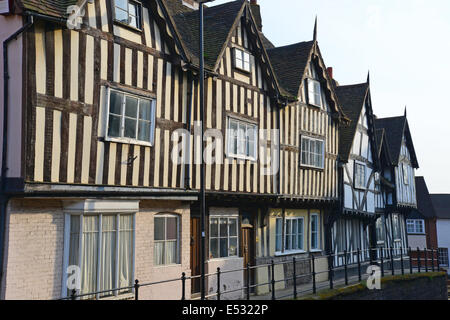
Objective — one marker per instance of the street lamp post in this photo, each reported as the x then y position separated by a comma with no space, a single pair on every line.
202,163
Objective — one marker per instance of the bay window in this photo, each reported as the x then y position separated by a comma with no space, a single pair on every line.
313,153
131,119
102,246
166,236
223,237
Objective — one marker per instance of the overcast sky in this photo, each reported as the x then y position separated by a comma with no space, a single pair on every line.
406,46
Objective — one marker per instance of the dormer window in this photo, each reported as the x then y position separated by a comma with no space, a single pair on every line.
405,174
128,12
314,93
242,60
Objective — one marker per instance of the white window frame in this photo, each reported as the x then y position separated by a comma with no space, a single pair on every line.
357,183
228,217
67,218
123,139
242,60
138,17
178,246
317,232
230,154
309,165
284,235
313,84
412,226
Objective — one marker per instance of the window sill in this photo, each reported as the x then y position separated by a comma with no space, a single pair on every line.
417,233
304,166
223,259
242,71
316,250
131,28
128,141
289,253
160,266
238,157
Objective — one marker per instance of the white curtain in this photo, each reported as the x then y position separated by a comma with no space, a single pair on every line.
74,243
159,253
89,255
108,270
171,252
126,251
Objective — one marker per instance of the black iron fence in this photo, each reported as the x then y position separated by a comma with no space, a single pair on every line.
389,260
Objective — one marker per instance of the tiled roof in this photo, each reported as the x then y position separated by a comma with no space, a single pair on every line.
441,203
424,203
289,63
352,99
218,23
54,8
395,127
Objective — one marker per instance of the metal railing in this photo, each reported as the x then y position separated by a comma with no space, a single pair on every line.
397,260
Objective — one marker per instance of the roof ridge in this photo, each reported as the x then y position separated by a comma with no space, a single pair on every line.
291,45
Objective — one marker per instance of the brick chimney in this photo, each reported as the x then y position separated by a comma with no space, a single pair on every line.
330,72
256,11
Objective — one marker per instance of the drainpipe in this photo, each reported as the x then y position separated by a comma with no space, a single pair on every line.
4,198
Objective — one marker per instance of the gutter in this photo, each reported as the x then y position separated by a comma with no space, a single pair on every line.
4,198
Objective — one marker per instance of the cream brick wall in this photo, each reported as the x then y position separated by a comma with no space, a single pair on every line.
34,250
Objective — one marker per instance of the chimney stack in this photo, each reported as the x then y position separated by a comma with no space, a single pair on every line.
330,72
256,11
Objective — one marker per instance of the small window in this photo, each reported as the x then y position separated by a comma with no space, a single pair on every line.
242,60
293,235
314,93
405,173
312,153
380,229
130,118
360,176
279,235
242,139
396,227
128,12
415,226
443,257
223,237
166,236
314,232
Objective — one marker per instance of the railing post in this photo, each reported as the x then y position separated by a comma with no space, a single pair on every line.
382,262
218,283
248,281
359,264
426,259
313,260
273,280
392,261
136,289
345,267
330,270
432,260
183,286
294,277
401,261
410,261
73,294
418,259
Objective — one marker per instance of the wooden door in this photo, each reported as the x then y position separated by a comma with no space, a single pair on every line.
195,254
248,251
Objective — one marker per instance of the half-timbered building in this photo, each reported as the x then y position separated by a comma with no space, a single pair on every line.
359,175
398,163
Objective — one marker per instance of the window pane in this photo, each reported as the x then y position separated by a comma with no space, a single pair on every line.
223,247
214,225
133,21
300,234
121,15
223,227
144,131
233,227
114,126
108,261
158,253
213,248
172,226
278,231
160,227
131,107
233,137
233,247
132,8
74,242
89,264
126,252
130,128
121,4
145,109
171,252
115,103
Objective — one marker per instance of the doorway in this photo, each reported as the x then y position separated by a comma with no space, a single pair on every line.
195,254
248,251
